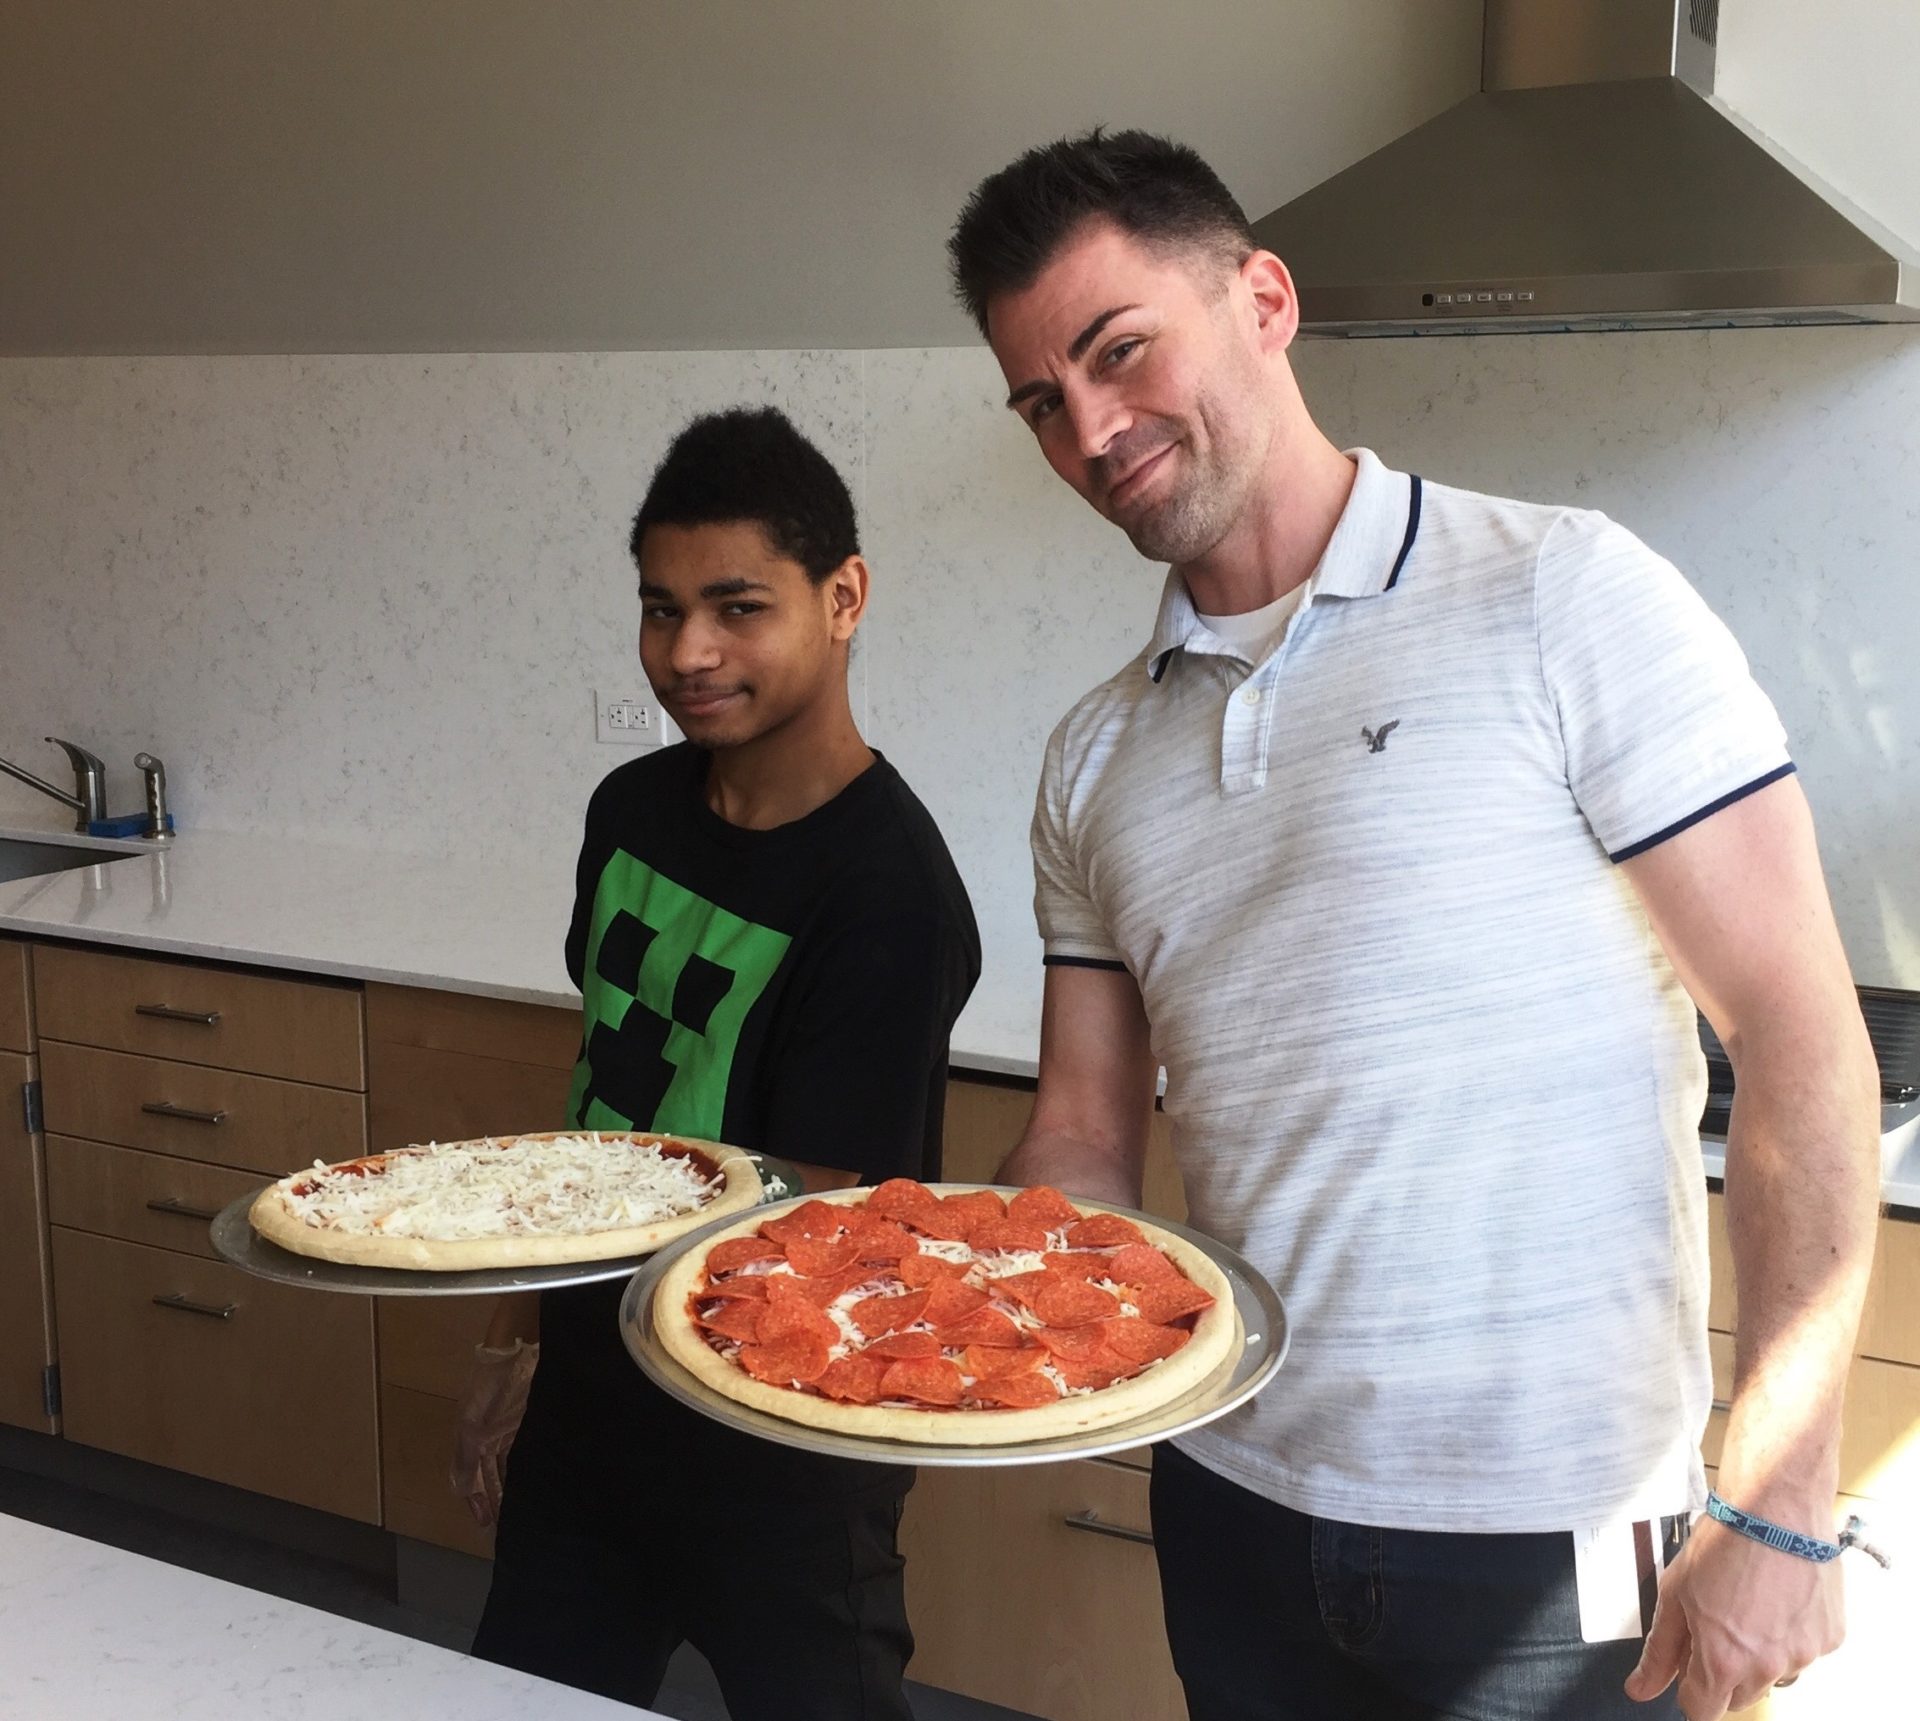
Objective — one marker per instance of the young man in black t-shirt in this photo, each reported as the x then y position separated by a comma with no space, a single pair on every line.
772,945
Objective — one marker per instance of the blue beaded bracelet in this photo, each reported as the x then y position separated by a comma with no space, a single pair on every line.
1786,1541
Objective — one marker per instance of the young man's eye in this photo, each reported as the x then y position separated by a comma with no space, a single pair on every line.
743,608
657,612
1121,351
1043,409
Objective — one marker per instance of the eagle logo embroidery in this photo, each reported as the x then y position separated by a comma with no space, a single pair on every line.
1376,739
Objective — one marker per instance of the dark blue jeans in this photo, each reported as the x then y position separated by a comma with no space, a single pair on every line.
1274,1616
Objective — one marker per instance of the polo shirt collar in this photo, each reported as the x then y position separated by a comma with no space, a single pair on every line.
1363,558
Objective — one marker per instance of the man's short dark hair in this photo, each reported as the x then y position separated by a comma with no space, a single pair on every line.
1158,191
749,465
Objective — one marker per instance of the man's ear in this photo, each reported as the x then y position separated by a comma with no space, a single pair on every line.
845,590
1276,305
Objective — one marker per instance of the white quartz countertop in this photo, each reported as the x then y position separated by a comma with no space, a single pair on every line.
458,922
90,1630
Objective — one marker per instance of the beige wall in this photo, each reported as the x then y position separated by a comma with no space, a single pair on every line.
451,175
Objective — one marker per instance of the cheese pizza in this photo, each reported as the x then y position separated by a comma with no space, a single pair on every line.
947,1315
514,1201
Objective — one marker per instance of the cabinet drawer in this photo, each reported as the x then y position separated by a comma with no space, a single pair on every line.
16,1019
26,1309
300,1030
498,1028
275,1395
1880,1426
426,1343
263,1124
150,1198
1020,1593
416,1448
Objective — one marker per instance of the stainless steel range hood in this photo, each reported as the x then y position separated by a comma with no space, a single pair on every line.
1594,183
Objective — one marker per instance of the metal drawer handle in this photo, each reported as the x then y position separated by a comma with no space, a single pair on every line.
1095,1525
166,1108
187,1306
167,1013
181,1209
1725,1404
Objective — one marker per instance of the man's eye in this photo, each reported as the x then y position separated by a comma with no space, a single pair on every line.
744,608
1120,350
1044,408
657,612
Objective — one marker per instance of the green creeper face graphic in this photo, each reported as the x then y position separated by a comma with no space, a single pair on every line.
670,978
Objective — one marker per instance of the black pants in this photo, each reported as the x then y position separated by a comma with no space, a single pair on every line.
1274,1616
630,1525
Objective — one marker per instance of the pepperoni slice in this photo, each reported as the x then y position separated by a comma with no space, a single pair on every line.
792,1358
1023,1288
989,1362
823,1290
1074,1303
951,1300
885,1314
1103,1231
1017,1391
1168,1302
1008,1234
1140,1264
1074,1342
920,1270
939,1220
980,1206
737,1252
897,1347
1101,1369
741,1287
884,1240
733,1320
982,1327
934,1381
899,1196
1082,1264
790,1310
1140,1341
854,1379
810,1219
814,1257
1043,1205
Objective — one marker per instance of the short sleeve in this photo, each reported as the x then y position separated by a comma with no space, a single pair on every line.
1071,928
1660,717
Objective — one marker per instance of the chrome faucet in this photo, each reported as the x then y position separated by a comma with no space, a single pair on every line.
89,799
155,774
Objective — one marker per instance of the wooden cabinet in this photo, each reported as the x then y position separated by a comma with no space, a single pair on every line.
442,1066
301,1030
1869,1677
1035,1587
16,1017
26,1301
170,1089
193,1364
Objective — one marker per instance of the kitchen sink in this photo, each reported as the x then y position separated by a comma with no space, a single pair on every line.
20,857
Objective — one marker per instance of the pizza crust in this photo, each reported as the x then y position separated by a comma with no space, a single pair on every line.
273,1218
1216,1343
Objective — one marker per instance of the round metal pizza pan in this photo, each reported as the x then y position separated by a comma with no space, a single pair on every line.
1264,1338
236,1242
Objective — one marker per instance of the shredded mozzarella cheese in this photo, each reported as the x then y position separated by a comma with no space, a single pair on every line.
568,1186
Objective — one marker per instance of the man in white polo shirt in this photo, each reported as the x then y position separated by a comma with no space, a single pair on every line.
1407,846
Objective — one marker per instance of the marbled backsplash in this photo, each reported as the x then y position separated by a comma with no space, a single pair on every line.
365,599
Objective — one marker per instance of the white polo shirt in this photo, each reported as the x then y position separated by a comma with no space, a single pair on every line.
1427,1066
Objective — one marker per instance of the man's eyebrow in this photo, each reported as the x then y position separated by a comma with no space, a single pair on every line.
713,589
1076,351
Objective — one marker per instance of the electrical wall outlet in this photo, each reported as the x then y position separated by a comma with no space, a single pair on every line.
632,720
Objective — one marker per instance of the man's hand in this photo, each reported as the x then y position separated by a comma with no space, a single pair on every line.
1734,1618
490,1413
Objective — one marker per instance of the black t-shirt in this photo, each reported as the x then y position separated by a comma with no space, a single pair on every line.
788,990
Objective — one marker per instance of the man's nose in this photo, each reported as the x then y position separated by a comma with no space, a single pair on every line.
696,645
1097,419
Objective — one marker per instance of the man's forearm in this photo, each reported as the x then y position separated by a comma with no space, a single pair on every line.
1074,1166
1802,1188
